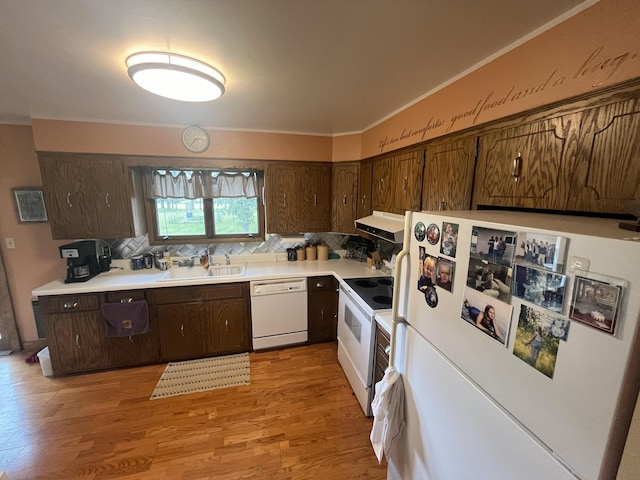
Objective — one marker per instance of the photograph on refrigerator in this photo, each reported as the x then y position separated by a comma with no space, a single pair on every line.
426,273
538,338
491,279
433,234
542,251
445,270
541,287
449,240
595,303
494,246
490,316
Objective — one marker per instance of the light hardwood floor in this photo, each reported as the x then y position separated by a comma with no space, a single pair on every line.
298,419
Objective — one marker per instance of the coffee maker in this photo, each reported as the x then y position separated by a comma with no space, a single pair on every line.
82,261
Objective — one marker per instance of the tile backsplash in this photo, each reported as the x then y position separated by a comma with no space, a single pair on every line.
123,248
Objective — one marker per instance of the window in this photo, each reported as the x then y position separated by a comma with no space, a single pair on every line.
202,206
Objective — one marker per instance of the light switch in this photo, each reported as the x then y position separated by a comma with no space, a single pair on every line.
579,265
10,242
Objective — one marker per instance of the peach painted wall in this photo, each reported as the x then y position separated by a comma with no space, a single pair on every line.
347,148
596,48
66,136
35,260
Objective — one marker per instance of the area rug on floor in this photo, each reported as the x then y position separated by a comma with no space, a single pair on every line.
180,378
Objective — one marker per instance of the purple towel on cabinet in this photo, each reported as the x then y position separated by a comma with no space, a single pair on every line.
126,319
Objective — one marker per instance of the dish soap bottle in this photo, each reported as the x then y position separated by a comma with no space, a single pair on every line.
167,256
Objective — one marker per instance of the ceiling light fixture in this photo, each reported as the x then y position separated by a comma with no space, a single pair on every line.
175,76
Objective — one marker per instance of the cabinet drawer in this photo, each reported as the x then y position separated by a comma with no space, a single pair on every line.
319,284
199,293
124,296
69,303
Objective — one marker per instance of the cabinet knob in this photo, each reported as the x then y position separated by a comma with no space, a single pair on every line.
387,349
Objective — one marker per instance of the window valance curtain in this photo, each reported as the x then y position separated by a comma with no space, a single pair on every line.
193,184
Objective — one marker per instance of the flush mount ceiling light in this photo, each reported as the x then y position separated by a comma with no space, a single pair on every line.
175,76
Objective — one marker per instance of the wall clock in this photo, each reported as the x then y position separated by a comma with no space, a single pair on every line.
195,139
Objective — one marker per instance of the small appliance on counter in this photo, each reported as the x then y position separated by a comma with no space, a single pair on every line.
82,260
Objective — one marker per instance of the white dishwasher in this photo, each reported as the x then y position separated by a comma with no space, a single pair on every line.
279,312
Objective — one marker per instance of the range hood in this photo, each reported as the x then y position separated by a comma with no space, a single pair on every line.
388,226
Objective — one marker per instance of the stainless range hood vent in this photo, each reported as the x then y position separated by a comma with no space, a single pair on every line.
388,226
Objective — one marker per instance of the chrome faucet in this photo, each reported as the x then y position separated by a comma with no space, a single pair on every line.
227,258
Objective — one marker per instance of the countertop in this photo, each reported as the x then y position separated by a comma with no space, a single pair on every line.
258,267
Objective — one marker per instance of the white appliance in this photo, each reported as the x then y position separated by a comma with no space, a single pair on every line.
278,312
475,410
360,299
385,225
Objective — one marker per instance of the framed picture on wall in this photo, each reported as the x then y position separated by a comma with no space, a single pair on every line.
29,203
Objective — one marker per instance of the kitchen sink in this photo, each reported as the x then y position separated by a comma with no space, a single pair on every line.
235,270
183,273
176,274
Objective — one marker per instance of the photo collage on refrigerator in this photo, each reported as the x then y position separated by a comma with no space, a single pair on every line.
529,266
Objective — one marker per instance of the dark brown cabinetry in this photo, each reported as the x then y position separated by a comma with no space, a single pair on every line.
606,176
397,182
448,174
298,197
523,166
91,196
381,358
199,321
365,179
344,203
322,304
76,333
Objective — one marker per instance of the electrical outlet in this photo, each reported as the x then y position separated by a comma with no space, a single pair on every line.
10,242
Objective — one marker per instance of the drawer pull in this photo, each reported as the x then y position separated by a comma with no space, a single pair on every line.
344,200
106,200
70,305
322,314
182,329
320,285
315,200
69,199
78,340
126,300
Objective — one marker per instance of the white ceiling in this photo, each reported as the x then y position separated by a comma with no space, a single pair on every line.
308,66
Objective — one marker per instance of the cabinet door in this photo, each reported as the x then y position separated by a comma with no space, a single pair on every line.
69,203
607,174
281,198
448,174
229,327
322,309
314,215
365,180
522,166
111,198
181,329
407,176
344,180
79,342
382,185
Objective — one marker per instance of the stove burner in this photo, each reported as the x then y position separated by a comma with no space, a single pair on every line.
385,281
382,299
366,283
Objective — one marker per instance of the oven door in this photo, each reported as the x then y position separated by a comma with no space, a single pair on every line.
355,335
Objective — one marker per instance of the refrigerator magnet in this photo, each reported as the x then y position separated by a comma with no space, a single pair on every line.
431,296
420,231
449,239
433,234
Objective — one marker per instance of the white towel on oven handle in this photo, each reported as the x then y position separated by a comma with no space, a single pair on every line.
388,412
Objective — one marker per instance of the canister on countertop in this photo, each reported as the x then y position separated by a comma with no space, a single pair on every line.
323,252
300,254
311,252
148,260
137,262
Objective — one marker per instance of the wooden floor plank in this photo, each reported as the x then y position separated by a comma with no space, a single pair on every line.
297,420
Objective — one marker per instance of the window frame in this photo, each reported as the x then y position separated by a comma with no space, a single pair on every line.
209,237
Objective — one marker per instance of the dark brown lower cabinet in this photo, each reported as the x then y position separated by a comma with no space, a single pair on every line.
322,305
381,359
182,332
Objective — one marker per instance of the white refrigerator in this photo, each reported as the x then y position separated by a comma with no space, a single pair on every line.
526,365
